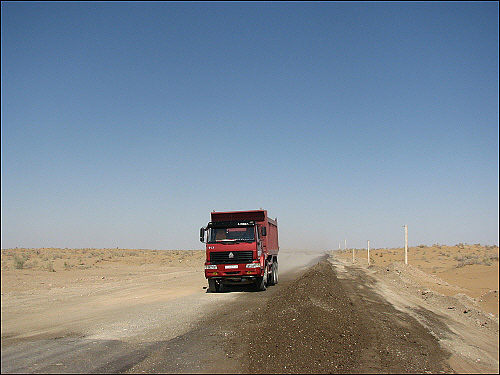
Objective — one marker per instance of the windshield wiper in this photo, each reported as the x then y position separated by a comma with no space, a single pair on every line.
235,240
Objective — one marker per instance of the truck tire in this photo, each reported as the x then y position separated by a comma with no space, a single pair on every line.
261,282
213,286
272,276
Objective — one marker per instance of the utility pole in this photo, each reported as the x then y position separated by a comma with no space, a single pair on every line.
368,248
406,244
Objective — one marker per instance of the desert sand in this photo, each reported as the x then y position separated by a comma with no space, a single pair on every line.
29,274
134,296
468,269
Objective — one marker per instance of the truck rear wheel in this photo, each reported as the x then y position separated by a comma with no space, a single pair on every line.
273,277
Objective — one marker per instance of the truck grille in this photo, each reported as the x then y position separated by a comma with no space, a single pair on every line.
220,257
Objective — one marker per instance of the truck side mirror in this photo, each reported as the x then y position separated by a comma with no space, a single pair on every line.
264,231
202,234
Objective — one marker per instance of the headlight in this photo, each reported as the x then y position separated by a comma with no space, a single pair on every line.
210,266
253,265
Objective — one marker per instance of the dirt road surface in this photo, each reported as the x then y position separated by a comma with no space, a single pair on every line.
324,316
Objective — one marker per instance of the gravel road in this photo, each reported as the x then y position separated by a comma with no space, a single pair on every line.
311,324
323,317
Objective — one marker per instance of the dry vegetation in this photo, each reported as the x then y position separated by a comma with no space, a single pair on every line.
449,270
31,271
51,292
54,259
468,269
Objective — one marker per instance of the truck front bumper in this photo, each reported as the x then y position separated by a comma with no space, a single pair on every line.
233,271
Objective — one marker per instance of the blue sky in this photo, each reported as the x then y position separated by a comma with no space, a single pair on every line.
125,123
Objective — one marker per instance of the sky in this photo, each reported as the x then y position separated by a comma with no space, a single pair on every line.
124,124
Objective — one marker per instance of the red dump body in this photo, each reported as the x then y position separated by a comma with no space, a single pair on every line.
242,248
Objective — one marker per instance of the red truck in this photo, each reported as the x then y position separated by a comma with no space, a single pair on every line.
242,248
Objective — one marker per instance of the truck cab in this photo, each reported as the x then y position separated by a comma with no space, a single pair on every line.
237,250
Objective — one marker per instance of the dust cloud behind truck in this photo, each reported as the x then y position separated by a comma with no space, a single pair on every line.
241,248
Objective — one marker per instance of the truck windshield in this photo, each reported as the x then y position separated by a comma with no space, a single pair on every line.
239,234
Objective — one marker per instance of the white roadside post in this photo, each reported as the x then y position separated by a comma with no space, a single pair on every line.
406,244
368,251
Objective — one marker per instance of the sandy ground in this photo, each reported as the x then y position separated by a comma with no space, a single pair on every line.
127,297
454,296
102,299
462,269
59,291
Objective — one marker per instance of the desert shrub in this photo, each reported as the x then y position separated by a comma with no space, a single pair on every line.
19,262
486,262
465,257
475,259
50,267
67,266
32,263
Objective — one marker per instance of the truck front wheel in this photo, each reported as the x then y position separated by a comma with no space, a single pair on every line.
213,286
261,282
